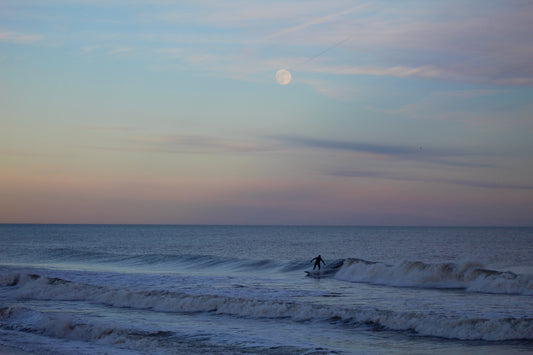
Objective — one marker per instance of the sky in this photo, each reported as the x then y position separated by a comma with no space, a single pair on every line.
267,112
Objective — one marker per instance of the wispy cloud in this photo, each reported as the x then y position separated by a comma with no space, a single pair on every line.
334,90
20,38
371,148
405,177
446,157
429,42
348,146
465,43
110,128
174,52
186,143
475,108
88,49
120,50
195,144
265,14
315,21
424,72
207,144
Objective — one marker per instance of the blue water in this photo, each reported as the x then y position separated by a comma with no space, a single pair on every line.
242,290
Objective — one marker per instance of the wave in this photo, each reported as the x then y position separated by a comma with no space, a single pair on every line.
48,324
23,324
33,286
470,276
187,261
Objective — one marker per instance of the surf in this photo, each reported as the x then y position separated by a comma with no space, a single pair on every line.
468,276
452,326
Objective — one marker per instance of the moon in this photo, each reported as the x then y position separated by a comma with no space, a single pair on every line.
283,76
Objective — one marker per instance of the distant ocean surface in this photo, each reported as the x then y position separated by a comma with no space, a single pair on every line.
150,289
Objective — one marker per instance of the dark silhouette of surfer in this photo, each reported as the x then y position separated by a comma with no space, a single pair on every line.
317,261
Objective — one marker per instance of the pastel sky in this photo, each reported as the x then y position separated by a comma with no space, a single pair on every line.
137,111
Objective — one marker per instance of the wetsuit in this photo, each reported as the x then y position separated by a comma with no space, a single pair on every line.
317,261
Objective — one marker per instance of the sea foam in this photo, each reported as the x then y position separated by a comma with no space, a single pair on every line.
470,276
452,326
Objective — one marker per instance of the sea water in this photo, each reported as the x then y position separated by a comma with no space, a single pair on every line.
122,289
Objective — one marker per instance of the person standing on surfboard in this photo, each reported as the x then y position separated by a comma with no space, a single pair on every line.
317,261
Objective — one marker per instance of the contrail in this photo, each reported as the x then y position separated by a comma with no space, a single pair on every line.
327,49
320,53
283,76
315,21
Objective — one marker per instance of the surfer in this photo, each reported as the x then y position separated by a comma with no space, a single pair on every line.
317,261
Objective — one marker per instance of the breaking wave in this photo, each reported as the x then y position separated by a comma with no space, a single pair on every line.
187,261
470,276
33,286
22,323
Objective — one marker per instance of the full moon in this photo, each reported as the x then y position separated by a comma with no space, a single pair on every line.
283,76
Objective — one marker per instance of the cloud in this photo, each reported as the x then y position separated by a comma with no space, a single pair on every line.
88,49
427,71
20,153
489,44
446,157
337,91
404,177
206,144
479,108
120,50
434,42
246,14
371,148
348,145
186,144
315,21
173,52
109,128
200,144
424,72
464,44
20,38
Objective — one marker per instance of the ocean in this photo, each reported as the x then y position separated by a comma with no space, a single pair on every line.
157,289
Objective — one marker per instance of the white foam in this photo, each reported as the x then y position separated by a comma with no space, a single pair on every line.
83,335
471,276
423,323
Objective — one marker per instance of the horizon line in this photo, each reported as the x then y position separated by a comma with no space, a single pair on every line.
267,225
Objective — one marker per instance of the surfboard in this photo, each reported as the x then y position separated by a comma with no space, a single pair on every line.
314,273
327,269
